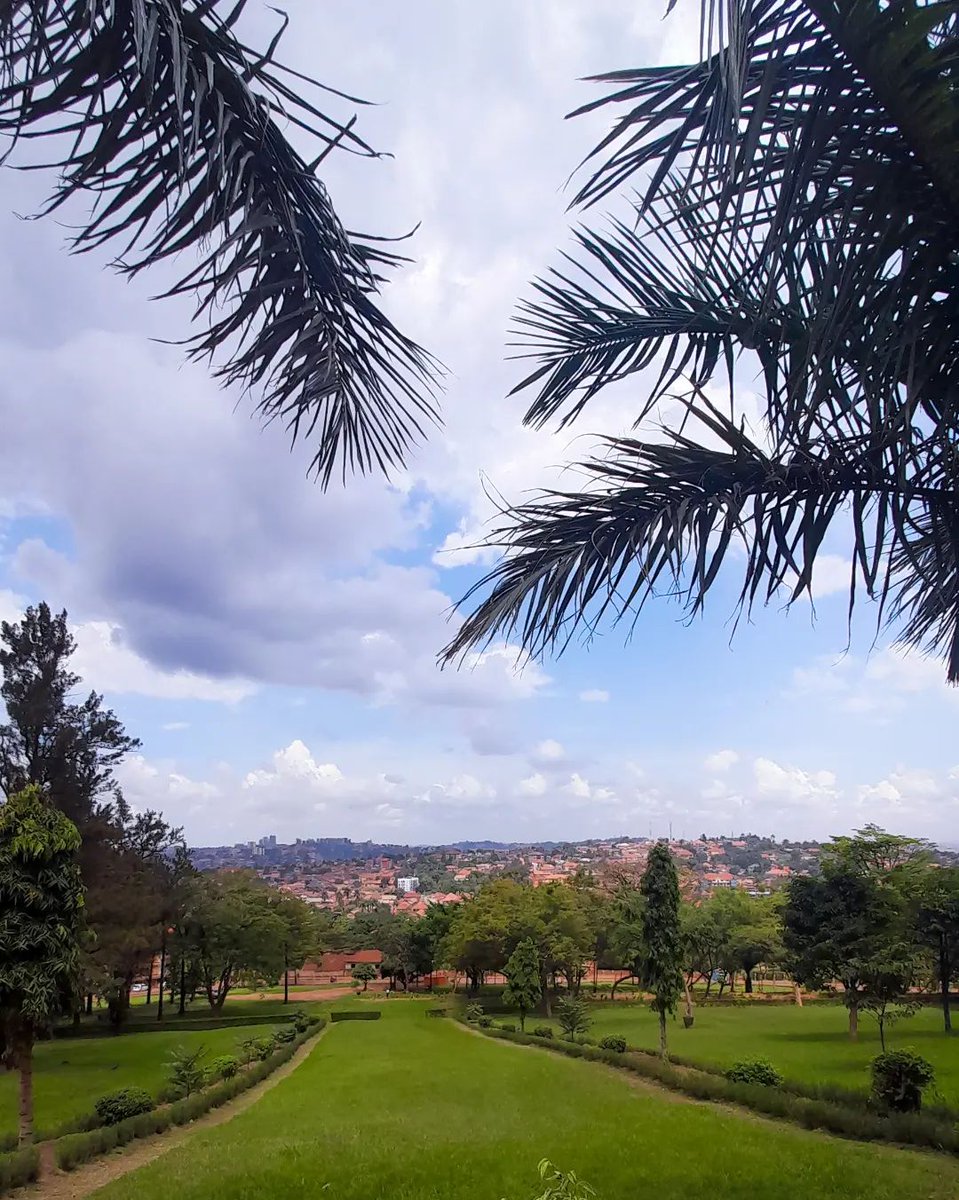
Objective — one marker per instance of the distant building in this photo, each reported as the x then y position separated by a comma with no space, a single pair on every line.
407,883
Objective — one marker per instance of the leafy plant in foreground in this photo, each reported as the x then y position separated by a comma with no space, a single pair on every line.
127,1102
573,1016
899,1078
754,1070
186,1073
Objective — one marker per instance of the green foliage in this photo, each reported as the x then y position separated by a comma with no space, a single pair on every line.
437,1012
613,1042
224,1066
662,943
127,1102
301,1020
364,973
257,1049
354,1015
19,1168
284,1035
484,1022
186,1073
474,1012
754,1070
543,1031
559,1185
523,984
508,1026
573,1016
899,1078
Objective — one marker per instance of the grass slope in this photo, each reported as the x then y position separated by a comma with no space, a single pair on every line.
419,1109
70,1074
809,1043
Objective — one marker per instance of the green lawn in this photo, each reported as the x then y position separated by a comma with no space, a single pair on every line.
71,1073
809,1043
413,1108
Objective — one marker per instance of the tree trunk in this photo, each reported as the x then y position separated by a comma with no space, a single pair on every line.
25,1067
881,1022
798,994
944,973
150,982
732,983
182,1009
89,1004
709,982
286,979
522,1020
853,1018
616,983
162,973
663,1051
689,997
748,985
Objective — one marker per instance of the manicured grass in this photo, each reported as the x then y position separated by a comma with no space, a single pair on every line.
417,1109
809,1044
70,1074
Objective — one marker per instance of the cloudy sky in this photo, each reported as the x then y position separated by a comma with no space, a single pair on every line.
274,646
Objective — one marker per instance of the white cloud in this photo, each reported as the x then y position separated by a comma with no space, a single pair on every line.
175,726
594,696
533,785
791,783
722,760
549,752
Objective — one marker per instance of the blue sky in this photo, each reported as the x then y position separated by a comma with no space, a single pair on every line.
274,646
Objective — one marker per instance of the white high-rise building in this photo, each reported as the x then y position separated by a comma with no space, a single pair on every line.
408,883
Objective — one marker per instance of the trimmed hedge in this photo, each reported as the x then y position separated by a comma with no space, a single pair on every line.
18,1168
366,1015
186,1022
437,1012
914,1129
77,1148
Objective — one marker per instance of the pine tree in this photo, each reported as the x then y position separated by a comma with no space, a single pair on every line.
662,941
523,988
41,901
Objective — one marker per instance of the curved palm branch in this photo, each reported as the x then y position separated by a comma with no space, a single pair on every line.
798,202
173,125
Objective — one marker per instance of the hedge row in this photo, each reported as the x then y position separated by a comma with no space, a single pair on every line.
18,1168
146,1025
928,1129
368,1015
77,1148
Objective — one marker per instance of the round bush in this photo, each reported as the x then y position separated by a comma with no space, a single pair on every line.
898,1080
612,1042
484,1022
224,1067
127,1102
543,1031
754,1070
508,1026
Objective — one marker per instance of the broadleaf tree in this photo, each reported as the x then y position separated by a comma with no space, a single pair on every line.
523,984
41,909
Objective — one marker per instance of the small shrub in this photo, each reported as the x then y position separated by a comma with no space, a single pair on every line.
474,1012
899,1078
224,1067
301,1020
436,1012
127,1102
283,1036
508,1026
257,1049
754,1070
573,1016
543,1031
186,1072
560,1185
362,1015
613,1042
484,1022
18,1168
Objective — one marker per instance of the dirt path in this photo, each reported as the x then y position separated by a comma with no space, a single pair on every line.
88,1178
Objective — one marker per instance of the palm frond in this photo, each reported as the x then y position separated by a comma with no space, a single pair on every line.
797,205
173,126
658,519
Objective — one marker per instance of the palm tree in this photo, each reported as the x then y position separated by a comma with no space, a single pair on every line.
172,126
796,232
